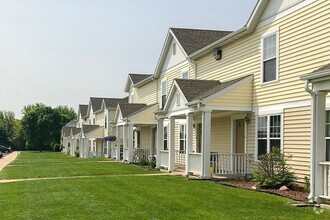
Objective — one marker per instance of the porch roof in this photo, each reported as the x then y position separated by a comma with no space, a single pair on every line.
66,131
92,130
321,73
128,109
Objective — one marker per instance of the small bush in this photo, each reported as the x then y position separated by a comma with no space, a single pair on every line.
307,183
272,170
68,151
76,153
56,147
152,164
143,162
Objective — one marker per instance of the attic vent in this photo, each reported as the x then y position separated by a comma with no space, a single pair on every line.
174,48
217,54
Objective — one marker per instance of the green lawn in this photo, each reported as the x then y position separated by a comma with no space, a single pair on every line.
134,197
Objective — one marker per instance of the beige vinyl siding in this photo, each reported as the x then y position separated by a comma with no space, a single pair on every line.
99,119
304,45
297,139
221,135
238,97
173,73
146,137
146,93
146,116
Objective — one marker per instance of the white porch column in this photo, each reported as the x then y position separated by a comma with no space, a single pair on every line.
118,143
189,139
206,144
130,143
160,139
318,151
171,145
125,143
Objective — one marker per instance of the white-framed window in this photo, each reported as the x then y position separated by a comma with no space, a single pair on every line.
174,48
105,121
270,58
269,133
164,90
185,75
178,99
105,147
327,135
182,137
94,146
165,138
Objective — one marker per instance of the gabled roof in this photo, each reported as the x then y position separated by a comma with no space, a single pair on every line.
130,108
141,110
76,131
323,68
136,80
249,27
83,110
192,40
96,103
89,128
322,72
189,40
66,131
113,102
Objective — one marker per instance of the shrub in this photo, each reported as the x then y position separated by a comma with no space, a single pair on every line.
76,153
307,183
56,147
272,170
143,162
152,161
68,151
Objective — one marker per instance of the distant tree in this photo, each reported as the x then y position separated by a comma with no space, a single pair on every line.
18,140
67,114
7,121
40,124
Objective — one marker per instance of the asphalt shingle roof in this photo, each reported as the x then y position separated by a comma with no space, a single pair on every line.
83,110
76,131
96,103
136,78
113,102
200,89
88,128
325,67
140,110
130,108
193,40
66,131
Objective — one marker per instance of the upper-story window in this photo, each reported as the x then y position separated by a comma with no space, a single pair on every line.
164,90
270,58
105,121
174,48
269,133
185,75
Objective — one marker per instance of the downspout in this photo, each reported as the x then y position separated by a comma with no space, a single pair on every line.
313,144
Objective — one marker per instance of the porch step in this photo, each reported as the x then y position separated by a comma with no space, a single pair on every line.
325,197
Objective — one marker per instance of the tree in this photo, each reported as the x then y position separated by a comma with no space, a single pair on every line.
40,124
7,121
18,140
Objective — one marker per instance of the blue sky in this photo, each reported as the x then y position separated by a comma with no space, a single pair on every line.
61,52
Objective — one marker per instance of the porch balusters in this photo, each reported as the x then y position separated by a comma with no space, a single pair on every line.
171,128
206,144
160,140
189,139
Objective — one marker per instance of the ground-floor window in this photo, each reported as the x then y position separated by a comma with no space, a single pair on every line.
105,147
269,133
94,146
165,138
327,135
182,137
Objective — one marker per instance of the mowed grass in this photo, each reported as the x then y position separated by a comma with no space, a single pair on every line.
137,197
50,164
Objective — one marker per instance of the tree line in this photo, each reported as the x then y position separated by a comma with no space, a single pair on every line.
39,128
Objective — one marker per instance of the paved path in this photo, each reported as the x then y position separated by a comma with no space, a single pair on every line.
79,177
8,159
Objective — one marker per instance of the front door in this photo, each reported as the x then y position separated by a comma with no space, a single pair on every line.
239,159
240,136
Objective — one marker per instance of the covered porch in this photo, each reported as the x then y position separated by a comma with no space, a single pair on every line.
202,131
135,129
91,141
318,85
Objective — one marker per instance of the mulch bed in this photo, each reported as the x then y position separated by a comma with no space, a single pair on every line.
297,194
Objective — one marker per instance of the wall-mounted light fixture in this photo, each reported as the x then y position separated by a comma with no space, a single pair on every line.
247,120
217,54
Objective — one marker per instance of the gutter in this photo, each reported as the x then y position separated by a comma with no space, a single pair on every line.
313,144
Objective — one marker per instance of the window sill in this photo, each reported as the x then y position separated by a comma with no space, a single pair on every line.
269,83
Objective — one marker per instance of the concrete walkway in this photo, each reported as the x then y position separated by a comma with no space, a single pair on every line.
8,159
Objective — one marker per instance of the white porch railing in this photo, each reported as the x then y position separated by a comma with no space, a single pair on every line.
195,163
180,158
142,154
326,178
235,163
163,158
